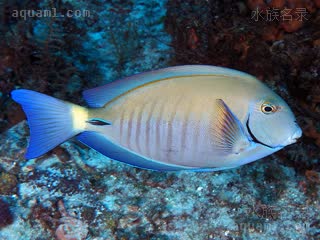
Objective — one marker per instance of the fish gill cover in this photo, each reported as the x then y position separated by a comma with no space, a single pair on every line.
74,192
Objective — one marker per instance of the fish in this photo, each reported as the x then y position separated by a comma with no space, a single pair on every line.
190,117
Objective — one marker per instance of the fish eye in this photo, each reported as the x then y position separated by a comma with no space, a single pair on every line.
268,108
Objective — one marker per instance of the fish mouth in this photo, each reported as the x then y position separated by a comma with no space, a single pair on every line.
254,139
294,137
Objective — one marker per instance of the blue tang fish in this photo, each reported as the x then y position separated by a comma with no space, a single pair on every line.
193,117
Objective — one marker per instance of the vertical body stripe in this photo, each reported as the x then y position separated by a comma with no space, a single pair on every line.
159,126
148,128
121,127
129,129
170,148
138,129
184,128
196,136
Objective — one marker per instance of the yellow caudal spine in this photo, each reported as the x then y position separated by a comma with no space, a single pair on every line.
80,116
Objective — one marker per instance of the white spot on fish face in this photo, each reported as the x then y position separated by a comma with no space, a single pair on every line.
292,139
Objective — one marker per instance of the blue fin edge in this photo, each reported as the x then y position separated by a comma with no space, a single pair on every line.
106,147
49,120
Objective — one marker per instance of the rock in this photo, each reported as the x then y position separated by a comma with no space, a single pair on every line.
277,4
8,184
291,26
6,217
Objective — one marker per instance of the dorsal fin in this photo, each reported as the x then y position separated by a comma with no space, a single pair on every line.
98,97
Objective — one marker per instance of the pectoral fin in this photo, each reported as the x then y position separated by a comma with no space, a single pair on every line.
229,135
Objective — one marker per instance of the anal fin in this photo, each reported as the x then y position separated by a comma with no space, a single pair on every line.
105,146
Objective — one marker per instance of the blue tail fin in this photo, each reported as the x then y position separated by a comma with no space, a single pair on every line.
50,121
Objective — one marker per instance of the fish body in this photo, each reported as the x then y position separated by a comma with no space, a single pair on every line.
191,117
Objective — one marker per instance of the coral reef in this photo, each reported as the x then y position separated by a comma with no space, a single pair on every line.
92,197
70,227
8,184
6,217
34,54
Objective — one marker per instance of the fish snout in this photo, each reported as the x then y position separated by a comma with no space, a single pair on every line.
297,134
